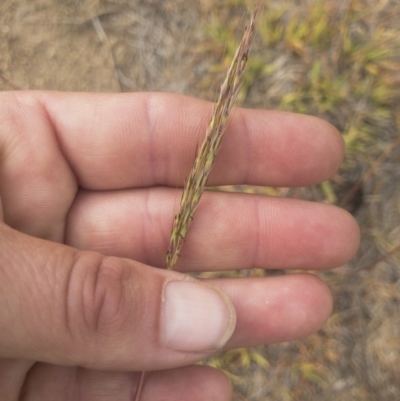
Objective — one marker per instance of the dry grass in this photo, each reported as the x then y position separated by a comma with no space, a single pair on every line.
208,152
339,61
205,159
335,59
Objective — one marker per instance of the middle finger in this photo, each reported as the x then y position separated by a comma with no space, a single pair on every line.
229,231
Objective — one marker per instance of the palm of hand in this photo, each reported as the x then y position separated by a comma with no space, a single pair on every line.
89,185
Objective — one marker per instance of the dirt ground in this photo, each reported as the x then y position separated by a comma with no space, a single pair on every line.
107,46
136,45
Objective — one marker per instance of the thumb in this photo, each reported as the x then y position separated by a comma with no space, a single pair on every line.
69,307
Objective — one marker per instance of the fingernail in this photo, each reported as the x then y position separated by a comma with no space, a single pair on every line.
196,317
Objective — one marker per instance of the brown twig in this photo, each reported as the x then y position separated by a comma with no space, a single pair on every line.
370,266
140,385
9,83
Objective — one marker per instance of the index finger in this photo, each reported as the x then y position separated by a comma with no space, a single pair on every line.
115,141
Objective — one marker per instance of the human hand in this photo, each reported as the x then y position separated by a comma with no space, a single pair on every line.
89,186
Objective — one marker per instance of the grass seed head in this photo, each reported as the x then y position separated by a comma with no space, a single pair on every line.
208,151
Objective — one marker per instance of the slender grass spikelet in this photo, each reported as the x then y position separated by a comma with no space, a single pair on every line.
208,151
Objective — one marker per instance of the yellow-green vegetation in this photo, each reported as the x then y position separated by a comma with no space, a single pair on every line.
336,60
339,60
319,57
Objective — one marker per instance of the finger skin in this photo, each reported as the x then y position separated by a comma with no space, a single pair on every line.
82,308
12,377
144,139
37,184
50,143
198,383
155,137
297,305
230,231
66,307
269,310
56,383
276,309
